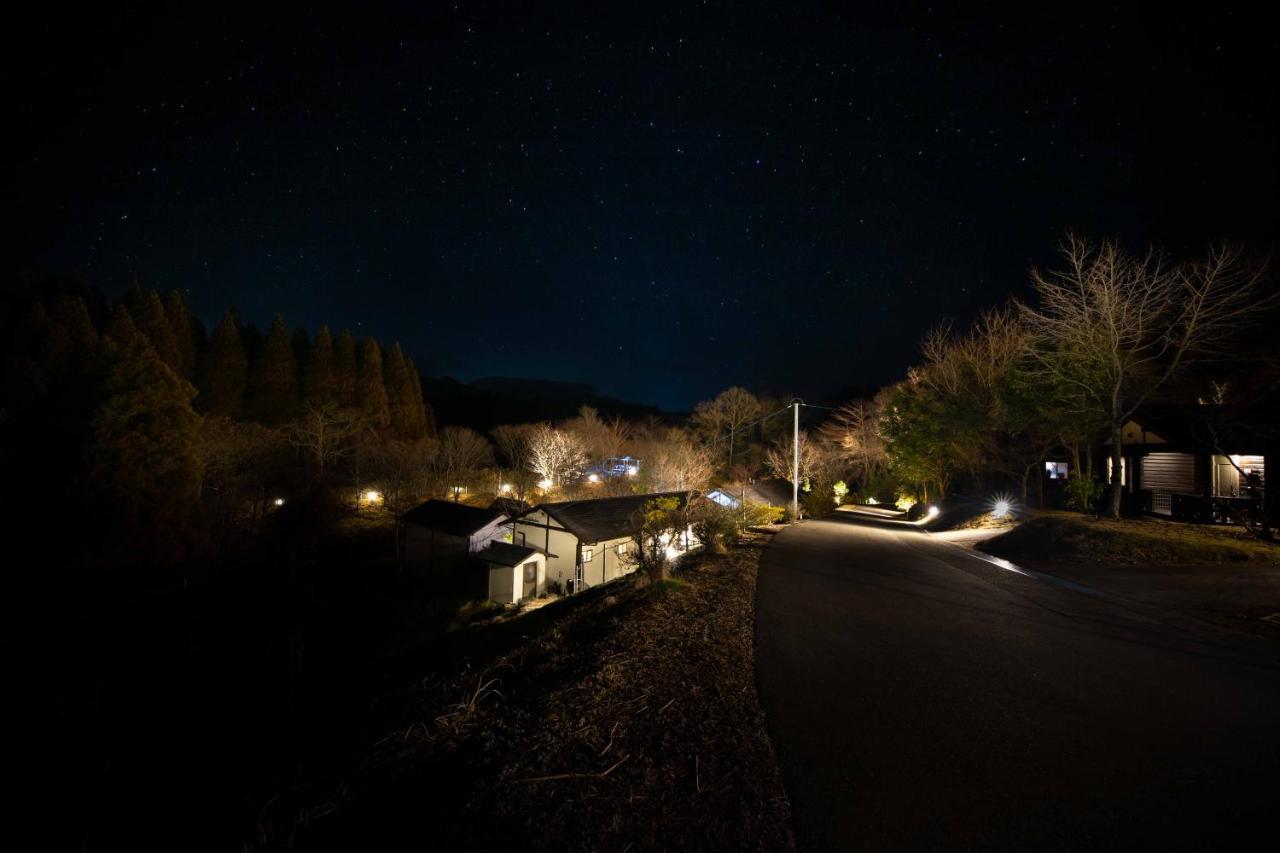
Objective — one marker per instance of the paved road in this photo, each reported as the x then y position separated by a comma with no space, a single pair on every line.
922,698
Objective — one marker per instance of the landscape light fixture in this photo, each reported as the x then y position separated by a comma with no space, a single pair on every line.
593,478
372,497
1001,506
933,511
279,501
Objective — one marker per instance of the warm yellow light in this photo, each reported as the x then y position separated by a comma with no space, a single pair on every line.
593,478
506,487
372,497
544,484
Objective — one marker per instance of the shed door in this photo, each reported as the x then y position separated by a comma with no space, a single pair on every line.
530,579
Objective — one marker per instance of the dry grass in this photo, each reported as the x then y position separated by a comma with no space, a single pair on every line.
1071,536
632,724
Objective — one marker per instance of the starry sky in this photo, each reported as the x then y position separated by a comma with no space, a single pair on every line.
659,202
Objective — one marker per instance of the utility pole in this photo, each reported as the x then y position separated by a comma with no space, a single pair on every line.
795,462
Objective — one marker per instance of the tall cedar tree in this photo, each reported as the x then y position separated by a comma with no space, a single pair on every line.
143,456
224,382
408,421
184,339
273,381
370,390
428,416
122,329
318,381
153,322
344,369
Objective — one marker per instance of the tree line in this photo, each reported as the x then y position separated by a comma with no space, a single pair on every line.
1106,333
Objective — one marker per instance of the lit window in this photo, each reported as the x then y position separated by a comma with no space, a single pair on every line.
587,554
622,548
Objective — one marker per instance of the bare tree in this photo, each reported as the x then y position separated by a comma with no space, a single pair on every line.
673,461
854,430
779,458
514,450
557,456
722,418
602,439
322,433
461,453
1117,328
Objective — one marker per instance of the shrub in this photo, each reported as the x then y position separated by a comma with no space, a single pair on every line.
758,515
1083,493
716,527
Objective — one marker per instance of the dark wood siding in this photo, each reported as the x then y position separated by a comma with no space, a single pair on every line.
1171,472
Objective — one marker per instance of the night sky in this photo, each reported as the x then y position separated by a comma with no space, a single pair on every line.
658,203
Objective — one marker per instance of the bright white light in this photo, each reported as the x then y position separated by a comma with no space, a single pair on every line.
544,484
593,478
672,553
372,497
872,501
632,470
933,510
279,501
1000,510
506,487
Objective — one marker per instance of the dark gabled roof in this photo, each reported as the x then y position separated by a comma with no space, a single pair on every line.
510,506
506,554
1203,426
771,491
452,518
604,518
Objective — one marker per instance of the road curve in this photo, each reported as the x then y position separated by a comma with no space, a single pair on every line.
923,698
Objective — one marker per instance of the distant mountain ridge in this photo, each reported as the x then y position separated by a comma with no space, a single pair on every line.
485,403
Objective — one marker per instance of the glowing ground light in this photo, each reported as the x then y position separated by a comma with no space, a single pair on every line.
544,484
933,511
372,497
593,478
1001,506
279,502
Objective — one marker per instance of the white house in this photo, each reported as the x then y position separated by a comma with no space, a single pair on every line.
590,542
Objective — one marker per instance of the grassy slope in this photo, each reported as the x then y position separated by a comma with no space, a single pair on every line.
1074,537
632,721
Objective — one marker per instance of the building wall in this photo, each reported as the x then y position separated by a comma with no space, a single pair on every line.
506,583
422,547
531,531
606,563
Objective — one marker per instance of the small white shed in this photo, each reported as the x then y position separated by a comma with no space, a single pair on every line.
516,572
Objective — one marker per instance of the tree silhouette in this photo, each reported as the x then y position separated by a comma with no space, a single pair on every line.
224,383
273,382
371,392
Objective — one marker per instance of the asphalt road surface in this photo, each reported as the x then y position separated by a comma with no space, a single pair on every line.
924,698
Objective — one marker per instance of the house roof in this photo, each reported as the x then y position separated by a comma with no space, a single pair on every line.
453,518
770,491
604,518
1204,427
506,554
509,506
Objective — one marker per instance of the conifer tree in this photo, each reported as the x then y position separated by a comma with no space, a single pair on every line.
371,393
142,452
73,314
318,380
428,416
153,322
407,421
122,330
224,381
344,369
184,339
273,381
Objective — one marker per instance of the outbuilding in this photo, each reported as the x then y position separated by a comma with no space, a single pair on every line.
516,572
